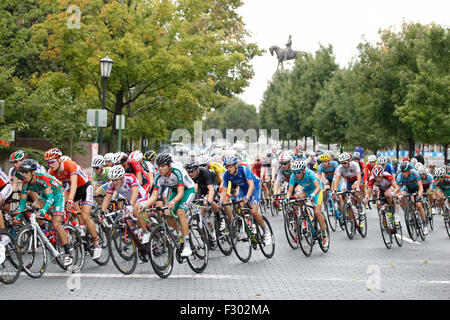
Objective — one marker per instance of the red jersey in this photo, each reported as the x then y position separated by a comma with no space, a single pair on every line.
384,184
134,167
70,168
367,171
256,169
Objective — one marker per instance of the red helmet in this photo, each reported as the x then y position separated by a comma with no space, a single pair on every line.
377,171
406,159
51,154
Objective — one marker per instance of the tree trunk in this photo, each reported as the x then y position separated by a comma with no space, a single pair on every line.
411,147
446,153
397,150
314,144
117,111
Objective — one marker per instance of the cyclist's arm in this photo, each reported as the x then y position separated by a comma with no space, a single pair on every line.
251,188
318,188
358,179
180,194
335,183
134,195
49,200
73,186
106,201
420,192
210,196
15,183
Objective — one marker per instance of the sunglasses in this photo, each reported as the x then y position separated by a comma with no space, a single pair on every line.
284,163
229,166
96,168
15,161
51,162
344,162
298,172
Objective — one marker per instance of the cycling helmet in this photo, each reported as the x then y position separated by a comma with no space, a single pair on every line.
163,159
395,161
382,160
149,155
136,155
377,171
344,157
404,166
119,158
330,153
192,153
318,153
299,165
356,154
406,159
202,160
98,161
440,172
418,165
116,172
230,160
413,161
51,154
372,158
285,157
64,158
28,165
17,156
191,165
423,170
325,157
269,154
109,157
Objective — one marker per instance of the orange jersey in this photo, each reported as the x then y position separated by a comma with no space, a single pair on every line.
70,168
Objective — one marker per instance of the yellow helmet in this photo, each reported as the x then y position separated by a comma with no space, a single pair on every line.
325,157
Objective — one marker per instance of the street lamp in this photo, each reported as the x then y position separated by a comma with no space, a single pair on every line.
105,71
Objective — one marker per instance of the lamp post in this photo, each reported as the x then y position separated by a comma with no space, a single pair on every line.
105,71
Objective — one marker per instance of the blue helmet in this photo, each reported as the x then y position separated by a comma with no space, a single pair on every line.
230,160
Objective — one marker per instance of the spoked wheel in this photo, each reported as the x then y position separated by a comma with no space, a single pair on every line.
362,221
224,235
305,236
399,234
429,215
161,253
76,245
102,242
320,235
10,259
446,220
33,253
385,231
123,249
419,225
410,224
349,223
331,216
200,249
290,228
240,239
267,249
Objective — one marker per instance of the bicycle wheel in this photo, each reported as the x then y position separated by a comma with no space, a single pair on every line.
446,220
320,236
410,224
429,214
362,221
304,233
223,235
33,253
290,228
419,224
161,253
385,230
122,249
200,249
102,242
398,235
240,239
269,250
77,246
331,216
349,223
10,259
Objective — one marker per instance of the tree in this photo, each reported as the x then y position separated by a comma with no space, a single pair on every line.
178,58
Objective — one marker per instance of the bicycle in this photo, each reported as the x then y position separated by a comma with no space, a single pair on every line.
307,227
352,214
265,201
413,221
245,234
428,211
445,209
277,203
163,240
10,259
218,231
388,226
290,225
34,245
124,244
333,214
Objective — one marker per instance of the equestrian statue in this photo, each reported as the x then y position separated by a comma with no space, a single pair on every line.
284,54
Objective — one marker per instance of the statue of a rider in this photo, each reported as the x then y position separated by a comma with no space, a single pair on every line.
288,47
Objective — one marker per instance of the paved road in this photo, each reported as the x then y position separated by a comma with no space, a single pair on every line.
418,270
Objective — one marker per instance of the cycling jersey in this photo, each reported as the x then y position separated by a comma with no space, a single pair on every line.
5,187
427,181
241,179
256,169
329,172
69,168
42,182
102,177
368,171
129,181
135,167
218,170
283,176
177,176
410,182
205,178
384,184
349,173
444,186
308,184
389,168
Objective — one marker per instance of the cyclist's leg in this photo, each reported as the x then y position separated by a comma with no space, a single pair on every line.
318,210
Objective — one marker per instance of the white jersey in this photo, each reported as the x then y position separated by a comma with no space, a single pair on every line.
349,173
129,181
176,176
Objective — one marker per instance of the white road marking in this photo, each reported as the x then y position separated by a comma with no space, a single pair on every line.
142,276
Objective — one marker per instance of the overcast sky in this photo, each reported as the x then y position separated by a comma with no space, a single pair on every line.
341,23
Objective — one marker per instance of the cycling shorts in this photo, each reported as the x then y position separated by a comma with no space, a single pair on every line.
183,204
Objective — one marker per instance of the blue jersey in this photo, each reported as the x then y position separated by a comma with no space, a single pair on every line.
389,168
329,172
427,181
307,182
410,165
241,179
410,182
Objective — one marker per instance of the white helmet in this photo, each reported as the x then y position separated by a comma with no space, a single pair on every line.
116,172
381,160
285,156
418,166
204,159
299,165
344,157
422,169
108,157
192,153
372,158
64,158
98,161
440,172
136,155
118,157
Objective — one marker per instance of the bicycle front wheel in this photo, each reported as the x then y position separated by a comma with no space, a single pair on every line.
362,221
305,236
267,249
122,249
240,239
290,228
200,249
331,216
161,253
446,220
102,242
349,223
385,230
410,224
33,253
223,235
10,259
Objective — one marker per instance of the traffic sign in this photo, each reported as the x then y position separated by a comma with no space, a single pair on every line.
101,117
120,122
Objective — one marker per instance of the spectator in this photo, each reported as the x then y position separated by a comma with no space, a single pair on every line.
360,150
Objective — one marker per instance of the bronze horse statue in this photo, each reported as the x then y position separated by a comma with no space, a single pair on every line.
283,54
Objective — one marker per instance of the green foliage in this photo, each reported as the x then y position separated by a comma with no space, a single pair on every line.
35,154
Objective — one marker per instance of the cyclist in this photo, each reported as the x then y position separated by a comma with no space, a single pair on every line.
147,172
386,185
249,191
51,192
218,169
15,176
387,166
311,161
371,163
109,159
311,187
326,172
352,173
182,193
256,166
427,181
149,160
266,174
432,167
441,185
5,194
132,166
409,182
284,172
100,174
126,184
78,187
